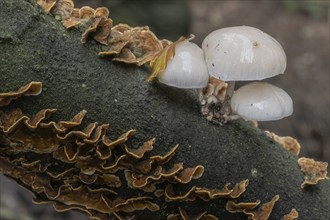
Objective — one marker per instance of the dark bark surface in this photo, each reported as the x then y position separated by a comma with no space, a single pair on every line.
35,47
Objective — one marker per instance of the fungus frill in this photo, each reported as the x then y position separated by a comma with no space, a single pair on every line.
71,167
215,92
234,207
92,22
204,193
183,215
289,143
33,88
62,9
264,210
136,45
263,213
314,171
133,45
292,215
47,5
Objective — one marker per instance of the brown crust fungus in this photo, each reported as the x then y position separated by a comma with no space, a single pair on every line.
212,98
46,5
314,171
91,22
288,143
234,207
225,192
133,45
204,193
77,168
183,215
100,27
70,167
62,9
33,88
215,92
264,211
291,216
136,45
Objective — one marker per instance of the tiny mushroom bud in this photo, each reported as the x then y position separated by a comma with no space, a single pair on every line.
184,66
261,102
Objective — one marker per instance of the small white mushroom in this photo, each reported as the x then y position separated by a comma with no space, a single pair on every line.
243,53
187,69
261,102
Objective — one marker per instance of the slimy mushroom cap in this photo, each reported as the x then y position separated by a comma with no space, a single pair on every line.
187,69
261,102
243,53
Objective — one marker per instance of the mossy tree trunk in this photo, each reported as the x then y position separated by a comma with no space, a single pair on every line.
35,47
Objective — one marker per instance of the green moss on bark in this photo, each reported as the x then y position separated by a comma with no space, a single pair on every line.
35,47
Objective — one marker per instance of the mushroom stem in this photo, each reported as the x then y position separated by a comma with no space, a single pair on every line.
226,109
230,90
201,99
233,117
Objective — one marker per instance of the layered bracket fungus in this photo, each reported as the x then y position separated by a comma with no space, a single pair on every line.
181,65
242,53
261,101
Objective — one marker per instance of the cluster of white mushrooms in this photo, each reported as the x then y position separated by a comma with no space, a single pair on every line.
232,54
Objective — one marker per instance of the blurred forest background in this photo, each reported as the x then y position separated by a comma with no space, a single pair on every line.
302,28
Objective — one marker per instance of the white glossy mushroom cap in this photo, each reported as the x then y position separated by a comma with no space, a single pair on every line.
261,102
243,53
187,69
